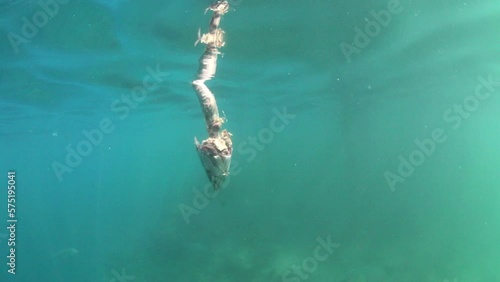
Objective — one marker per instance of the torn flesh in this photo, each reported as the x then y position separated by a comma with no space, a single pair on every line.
215,152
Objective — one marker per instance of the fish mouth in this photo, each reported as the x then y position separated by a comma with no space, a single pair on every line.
215,155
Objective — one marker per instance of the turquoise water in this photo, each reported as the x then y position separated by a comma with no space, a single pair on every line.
365,142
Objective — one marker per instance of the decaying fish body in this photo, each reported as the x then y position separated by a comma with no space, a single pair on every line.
215,152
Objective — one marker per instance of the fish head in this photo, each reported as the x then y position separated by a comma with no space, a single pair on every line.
215,155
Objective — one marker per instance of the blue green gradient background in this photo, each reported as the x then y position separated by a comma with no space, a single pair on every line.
323,175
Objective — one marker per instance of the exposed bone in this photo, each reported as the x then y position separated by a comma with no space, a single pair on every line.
215,152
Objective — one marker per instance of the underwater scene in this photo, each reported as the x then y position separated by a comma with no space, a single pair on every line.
250,141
